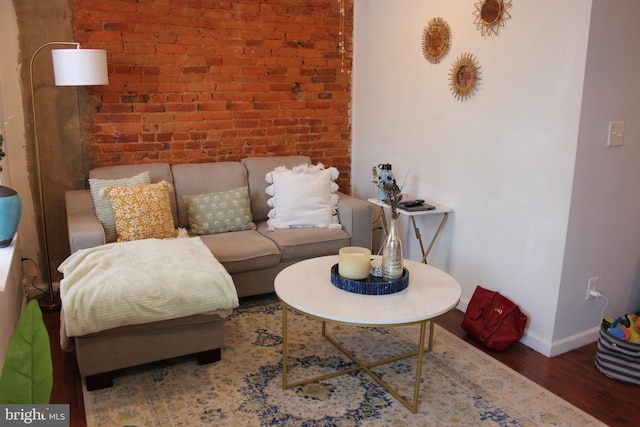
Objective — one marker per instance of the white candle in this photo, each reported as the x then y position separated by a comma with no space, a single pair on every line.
354,262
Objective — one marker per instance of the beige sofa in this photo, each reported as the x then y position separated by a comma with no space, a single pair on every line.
252,257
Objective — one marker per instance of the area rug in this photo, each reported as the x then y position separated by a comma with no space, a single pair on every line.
460,385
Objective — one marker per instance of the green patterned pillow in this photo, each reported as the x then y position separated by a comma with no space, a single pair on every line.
220,212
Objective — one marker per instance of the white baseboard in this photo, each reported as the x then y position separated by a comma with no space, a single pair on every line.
574,341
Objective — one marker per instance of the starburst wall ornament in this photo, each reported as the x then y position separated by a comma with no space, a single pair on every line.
490,15
464,76
436,40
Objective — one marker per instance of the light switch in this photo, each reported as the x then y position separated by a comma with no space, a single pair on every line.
616,134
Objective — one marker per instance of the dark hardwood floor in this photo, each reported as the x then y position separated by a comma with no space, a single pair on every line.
572,376
67,386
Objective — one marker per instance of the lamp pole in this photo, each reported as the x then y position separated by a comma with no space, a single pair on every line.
84,67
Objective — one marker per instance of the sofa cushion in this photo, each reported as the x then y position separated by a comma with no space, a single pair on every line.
202,178
243,250
142,212
303,243
159,172
102,203
220,212
256,169
303,196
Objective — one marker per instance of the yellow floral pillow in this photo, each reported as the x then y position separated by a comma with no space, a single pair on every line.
142,212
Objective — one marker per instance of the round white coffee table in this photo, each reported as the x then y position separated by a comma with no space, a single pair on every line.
306,287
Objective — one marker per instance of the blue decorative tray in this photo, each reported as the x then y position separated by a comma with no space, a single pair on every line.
370,286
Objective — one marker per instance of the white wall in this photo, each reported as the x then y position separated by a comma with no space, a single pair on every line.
504,159
15,163
14,175
11,295
604,230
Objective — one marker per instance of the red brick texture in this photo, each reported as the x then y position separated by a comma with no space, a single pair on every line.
218,80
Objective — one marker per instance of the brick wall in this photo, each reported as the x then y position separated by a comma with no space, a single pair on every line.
195,81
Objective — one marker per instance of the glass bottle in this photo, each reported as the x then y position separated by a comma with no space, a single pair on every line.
392,253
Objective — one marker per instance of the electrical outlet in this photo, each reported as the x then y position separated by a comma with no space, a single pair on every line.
592,286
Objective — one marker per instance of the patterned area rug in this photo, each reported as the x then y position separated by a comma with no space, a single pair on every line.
461,386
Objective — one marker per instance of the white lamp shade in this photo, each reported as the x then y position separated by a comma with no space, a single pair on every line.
80,67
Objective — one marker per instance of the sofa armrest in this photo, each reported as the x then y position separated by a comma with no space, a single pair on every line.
356,218
84,227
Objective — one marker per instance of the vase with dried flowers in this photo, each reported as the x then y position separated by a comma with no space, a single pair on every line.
392,267
10,204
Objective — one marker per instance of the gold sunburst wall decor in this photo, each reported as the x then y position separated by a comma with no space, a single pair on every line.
490,15
464,76
436,40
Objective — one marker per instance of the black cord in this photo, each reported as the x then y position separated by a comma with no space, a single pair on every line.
33,281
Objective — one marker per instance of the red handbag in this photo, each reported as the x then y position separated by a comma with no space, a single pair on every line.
493,319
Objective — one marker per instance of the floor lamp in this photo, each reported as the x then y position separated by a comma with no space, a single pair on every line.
71,67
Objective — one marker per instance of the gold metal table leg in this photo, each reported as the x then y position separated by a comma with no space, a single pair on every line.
383,218
285,347
416,231
425,254
360,365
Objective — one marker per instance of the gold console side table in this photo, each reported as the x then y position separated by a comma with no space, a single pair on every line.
439,210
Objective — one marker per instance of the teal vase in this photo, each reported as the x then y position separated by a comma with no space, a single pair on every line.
10,211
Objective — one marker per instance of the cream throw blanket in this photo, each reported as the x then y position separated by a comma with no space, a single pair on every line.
142,281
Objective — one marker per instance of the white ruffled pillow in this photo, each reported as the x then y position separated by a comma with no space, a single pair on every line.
303,197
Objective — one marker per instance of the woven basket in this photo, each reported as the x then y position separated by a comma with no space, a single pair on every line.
618,359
